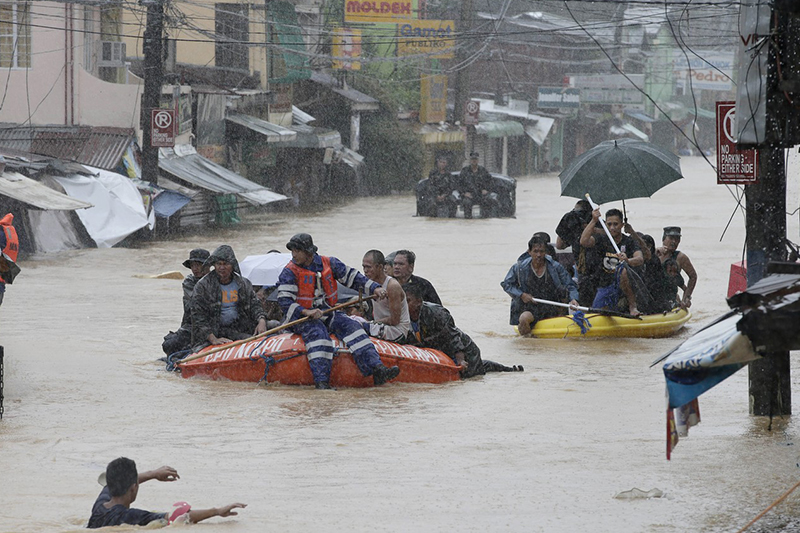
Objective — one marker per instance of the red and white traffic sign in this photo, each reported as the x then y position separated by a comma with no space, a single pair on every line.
162,128
472,112
734,166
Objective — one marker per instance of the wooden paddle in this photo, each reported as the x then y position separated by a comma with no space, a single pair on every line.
593,310
273,330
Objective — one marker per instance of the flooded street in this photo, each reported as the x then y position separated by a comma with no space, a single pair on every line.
545,450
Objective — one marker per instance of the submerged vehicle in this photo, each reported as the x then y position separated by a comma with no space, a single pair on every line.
282,359
503,186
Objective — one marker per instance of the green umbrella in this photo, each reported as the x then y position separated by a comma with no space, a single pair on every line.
619,170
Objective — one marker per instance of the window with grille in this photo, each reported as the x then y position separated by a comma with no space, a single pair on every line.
232,22
15,35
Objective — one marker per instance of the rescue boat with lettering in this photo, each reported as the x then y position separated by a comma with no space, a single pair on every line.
650,326
282,359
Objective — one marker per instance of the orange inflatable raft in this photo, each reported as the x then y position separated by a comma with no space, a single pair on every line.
285,355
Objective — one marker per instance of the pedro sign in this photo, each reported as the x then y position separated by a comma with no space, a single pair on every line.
390,11
435,37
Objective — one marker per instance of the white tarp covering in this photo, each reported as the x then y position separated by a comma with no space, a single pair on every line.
53,231
118,209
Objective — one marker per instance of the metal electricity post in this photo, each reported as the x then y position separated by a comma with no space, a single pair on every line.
153,76
769,384
461,88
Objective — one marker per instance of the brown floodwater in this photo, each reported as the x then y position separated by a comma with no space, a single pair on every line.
544,450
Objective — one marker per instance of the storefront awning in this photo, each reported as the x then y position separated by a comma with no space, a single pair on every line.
539,129
638,115
186,164
636,132
500,128
357,100
311,137
273,132
703,113
440,133
290,63
19,187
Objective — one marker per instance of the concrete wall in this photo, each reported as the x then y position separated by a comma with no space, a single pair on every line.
57,89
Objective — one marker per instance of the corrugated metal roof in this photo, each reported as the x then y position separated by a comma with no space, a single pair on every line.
186,164
273,132
358,100
95,146
19,187
311,137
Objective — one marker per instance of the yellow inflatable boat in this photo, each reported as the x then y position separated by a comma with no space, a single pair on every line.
652,326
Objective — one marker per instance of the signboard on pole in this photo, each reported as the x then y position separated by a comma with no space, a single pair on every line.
559,97
433,106
346,44
162,128
392,11
472,112
733,165
435,37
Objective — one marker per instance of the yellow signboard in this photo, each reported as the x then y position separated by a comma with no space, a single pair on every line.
426,37
388,11
346,44
433,92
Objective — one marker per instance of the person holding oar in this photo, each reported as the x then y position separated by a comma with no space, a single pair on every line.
537,277
307,287
616,255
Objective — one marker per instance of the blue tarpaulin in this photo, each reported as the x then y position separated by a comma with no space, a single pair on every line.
167,203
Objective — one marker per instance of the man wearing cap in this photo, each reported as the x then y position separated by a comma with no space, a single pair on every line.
224,305
439,199
669,250
475,184
307,286
176,341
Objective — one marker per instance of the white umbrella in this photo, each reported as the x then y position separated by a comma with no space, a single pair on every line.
264,269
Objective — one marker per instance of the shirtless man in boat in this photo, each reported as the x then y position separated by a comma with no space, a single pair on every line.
390,316
307,286
669,250
224,305
612,274
432,326
113,505
537,276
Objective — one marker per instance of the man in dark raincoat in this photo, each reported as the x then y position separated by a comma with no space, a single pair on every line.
175,341
432,326
224,305
307,286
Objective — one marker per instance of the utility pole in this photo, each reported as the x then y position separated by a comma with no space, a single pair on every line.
769,385
153,76
462,75
770,390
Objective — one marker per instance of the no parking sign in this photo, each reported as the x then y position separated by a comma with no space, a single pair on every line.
734,166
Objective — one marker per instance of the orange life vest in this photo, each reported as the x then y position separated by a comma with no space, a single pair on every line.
307,283
12,240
